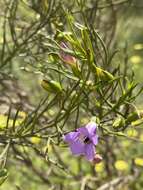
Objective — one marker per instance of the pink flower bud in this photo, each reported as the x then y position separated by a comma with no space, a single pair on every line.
97,159
66,57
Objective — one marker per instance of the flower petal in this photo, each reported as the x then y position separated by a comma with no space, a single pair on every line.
95,139
90,151
83,131
91,128
71,137
77,148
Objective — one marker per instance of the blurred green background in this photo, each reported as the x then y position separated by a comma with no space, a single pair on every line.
128,40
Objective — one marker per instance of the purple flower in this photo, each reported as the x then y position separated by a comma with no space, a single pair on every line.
83,141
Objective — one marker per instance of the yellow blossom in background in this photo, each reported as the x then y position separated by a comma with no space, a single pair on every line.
99,167
135,59
3,120
51,112
132,133
20,119
35,140
1,40
138,46
126,143
22,114
139,161
121,165
141,137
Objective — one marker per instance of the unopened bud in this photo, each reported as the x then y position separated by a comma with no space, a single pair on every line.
51,86
118,123
134,116
97,159
103,75
69,59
